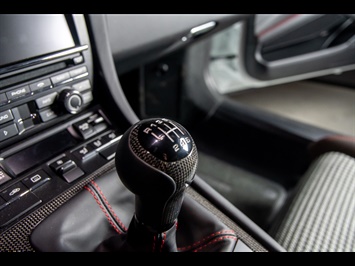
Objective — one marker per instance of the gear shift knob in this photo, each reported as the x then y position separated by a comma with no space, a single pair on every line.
156,159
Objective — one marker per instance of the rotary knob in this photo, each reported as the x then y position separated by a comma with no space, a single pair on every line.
71,100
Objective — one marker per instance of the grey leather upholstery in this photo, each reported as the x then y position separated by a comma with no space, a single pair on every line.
321,216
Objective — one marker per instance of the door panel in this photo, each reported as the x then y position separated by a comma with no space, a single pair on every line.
297,46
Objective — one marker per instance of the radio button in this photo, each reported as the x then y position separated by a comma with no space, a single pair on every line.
60,78
46,100
6,116
8,132
47,115
17,93
41,85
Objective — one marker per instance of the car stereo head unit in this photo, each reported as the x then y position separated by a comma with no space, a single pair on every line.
45,72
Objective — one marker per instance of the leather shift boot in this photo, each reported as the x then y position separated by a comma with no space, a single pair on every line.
97,219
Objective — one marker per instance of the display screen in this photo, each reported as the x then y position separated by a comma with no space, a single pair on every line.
24,36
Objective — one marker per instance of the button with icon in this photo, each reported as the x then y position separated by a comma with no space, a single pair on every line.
8,132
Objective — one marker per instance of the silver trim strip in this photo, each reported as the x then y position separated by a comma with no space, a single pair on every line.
196,31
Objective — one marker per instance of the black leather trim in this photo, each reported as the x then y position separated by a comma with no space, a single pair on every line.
236,215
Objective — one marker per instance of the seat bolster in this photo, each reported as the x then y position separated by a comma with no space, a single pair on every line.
322,213
340,143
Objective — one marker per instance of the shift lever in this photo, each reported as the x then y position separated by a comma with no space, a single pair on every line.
156,159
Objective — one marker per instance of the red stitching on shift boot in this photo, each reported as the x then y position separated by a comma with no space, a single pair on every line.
214,241
103,209
206,238
108,205
163,242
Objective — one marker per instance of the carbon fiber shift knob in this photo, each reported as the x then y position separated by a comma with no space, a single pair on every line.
156,159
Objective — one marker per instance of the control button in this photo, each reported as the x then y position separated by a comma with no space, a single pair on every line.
12,211
75,102
109,137
41,85
21,112
60,78
104,141
78,71
3,99
66,167
4,177
6,116
97,143
73,174
78,60
84,153
99,120
100,127
8,132
109,152
101,143
82,86
36,180
87,97
13,192
46,100
84,129
93,118
25,125
47,114
58,163
17,93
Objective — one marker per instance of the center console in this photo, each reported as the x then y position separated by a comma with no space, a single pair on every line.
50,124
56,139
